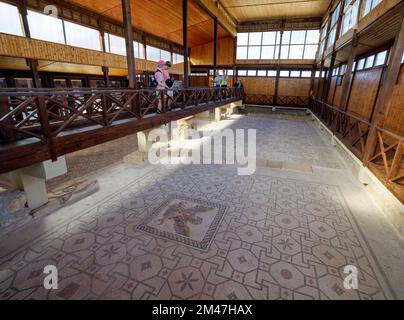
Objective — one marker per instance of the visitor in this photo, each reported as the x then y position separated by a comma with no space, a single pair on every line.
216,83
139,83
223,85
223,82
160,77
238,84
169,83
167,77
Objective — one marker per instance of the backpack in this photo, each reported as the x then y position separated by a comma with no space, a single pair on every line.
153,81
169,83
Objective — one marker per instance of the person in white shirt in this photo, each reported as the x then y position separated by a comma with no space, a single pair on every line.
217,81
223,83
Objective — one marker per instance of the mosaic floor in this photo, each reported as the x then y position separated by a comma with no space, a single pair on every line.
202,232
283,140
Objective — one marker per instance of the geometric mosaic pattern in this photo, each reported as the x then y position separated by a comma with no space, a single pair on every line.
203,232
189,221
283,140
278,239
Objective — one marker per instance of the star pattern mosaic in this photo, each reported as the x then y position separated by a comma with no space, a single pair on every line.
277,238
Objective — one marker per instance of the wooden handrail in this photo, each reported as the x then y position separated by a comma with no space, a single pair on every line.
386,158
41,125
50,112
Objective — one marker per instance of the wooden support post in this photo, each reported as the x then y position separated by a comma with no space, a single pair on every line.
386,92
395,164
105,107
392,72
318,96
105,71
327,83
45,126
278,68
320,79
33,66
102,38
215,40
334,53
312,78
348,77
144,47
128,33
5,134
350,74
234,59
146,79
171,54
31,63
185,41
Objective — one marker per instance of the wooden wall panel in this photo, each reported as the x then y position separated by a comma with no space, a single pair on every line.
287,86
320,87
15,46
364,92
199,81
337,95
51,66
294,87
332,90
21,47
395,117
258,85
203,55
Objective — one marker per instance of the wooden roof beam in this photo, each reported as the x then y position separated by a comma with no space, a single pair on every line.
214,9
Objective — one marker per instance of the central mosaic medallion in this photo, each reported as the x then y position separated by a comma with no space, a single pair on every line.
192,222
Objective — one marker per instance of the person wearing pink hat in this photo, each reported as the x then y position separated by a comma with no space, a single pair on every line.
162,75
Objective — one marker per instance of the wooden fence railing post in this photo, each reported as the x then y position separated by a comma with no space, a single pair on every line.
395,165
45,126
5,133
163,101
104,109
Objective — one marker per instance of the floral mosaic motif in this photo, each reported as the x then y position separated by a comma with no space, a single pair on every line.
265,236
186,281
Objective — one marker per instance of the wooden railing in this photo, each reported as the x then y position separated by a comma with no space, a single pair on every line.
42,124
292,101
387,161
350,129
384,158
46,113
283,101
259,99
